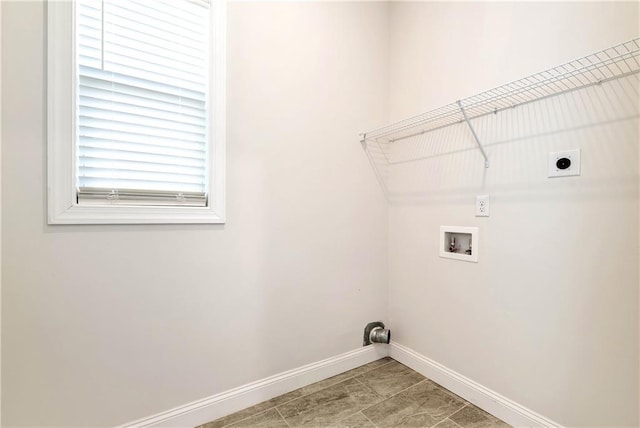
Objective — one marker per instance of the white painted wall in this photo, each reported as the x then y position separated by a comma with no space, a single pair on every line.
106,324
549,315
0,213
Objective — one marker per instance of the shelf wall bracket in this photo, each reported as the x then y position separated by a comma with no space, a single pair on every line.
473,132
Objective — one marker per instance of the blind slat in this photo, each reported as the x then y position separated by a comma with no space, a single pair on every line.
150,110
115,146
139,138
130,122
144,157
165,32
119,164
113,183
154,17
142,37
134,84
119,41
191,176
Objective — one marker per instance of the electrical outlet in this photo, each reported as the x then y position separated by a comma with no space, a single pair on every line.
482,206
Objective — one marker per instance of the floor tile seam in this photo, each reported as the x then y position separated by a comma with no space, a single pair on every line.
249,417
350,415
334,384
422,413
360,382
369,419
441,420
409,387
305,395
465,404
391,360
457,397
455,423
382,397
285,421
306,410
451,393
380,400
468,404
374,368
446,419
426,379
311,393
446,391
459,410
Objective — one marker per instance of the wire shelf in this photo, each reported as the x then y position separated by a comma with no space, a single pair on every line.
611,63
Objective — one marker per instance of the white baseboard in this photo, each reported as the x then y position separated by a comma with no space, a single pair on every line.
225,403
233,400
488,400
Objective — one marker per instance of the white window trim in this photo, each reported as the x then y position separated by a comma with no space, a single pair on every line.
61,142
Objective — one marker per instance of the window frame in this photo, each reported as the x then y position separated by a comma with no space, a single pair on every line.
61,132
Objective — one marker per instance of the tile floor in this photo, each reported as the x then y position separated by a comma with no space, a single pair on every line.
380,394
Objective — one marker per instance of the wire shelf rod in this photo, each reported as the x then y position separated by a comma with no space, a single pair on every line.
475,136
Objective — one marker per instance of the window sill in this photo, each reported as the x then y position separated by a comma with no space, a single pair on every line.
118,214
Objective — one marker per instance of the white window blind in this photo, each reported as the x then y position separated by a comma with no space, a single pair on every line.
142,101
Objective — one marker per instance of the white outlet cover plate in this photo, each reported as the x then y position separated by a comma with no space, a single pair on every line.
482,205
573,169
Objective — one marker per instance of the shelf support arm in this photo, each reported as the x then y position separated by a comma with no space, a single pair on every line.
475,136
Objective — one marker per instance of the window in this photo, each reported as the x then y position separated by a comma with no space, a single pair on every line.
136,111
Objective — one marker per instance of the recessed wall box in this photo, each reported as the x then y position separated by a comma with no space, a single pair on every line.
459,243
563,164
